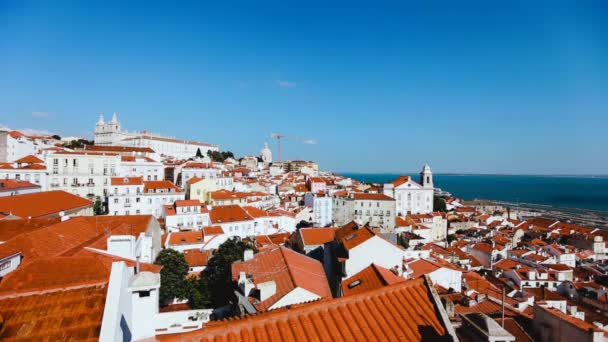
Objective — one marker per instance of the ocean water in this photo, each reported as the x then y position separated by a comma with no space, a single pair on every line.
558,191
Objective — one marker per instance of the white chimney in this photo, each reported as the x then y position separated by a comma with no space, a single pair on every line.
248,255
267,290
245,283
532,274
65,218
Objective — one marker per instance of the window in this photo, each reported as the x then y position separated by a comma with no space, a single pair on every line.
116,200
5,265
143,294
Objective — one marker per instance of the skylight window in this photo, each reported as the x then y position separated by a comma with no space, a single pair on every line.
355,283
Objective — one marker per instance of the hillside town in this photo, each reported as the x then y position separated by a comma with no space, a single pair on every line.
138,236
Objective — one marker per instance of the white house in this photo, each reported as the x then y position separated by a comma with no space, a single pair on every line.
376,209
443,274
322,208
145,167
277,278
134,196
29,168
86,174
193,169
363,247
111,133
186,215
412,197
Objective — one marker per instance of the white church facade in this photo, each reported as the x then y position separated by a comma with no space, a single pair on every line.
112,134
410,196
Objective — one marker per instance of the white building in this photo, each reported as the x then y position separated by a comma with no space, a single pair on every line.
29,168
131,310
193,169
266,154
186,215
364,248
145,167
11,187
86,174
134,196
321,205
15,145
412,197
443,274
376,209
113,134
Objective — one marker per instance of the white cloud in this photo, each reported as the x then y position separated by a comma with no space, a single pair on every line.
286,84
40,114
309,142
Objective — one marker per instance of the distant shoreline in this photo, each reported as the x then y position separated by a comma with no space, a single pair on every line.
479,174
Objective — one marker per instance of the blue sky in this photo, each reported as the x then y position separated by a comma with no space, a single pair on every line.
478,86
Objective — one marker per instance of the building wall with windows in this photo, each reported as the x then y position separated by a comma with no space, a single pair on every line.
86,174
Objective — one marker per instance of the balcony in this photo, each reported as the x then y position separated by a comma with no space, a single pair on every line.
127,205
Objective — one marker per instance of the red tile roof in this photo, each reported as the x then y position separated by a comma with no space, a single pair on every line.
154,185
70,315
370,278
196,258
68,237
29,160
188,203
185,238
11,228
399,312
42,204
288,269
228,213
400,180
194,180
12,184
317,236
213,230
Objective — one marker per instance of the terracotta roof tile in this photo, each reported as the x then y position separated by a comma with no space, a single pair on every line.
228,213
288,269
154,185
29,160
317,236
185,238
401,312
42,204
369,278
70,315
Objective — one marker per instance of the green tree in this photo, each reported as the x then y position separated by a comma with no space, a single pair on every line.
98,207
439,204
172,275
215,288
219,156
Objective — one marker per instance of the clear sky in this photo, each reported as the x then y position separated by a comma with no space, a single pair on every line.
482,87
